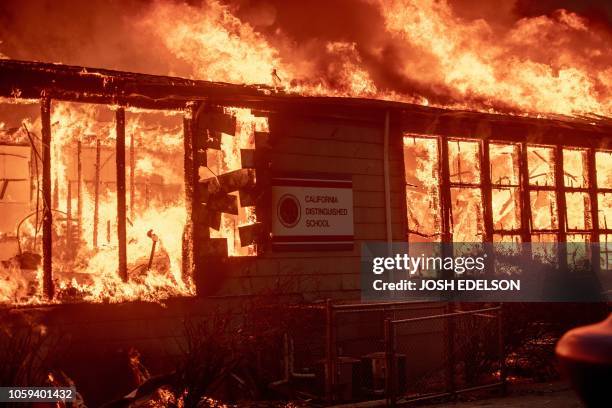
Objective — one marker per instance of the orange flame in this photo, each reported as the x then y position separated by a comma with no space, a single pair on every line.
544,64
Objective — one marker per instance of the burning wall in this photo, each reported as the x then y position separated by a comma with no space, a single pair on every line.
84,202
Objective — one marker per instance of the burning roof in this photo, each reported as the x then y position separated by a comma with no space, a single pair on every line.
28,80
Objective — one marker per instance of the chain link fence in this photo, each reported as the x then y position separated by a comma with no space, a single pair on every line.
469,357
400,352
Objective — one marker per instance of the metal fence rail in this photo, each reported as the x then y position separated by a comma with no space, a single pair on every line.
357,330
472,357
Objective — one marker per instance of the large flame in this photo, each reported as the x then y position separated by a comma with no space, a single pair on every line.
546,64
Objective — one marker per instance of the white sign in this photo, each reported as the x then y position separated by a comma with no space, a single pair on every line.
312,212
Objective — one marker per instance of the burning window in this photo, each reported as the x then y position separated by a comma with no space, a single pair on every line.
541,164
505,191
466,193
18,267
14,184
542,196
422,188
578,211
85,189
575,172
464,162
543,210
84,205
577,200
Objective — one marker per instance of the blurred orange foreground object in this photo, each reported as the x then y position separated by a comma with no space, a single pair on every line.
585,357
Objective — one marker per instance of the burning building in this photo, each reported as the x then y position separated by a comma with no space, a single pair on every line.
171,186
119,187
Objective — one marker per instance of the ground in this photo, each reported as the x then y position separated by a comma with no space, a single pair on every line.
551,395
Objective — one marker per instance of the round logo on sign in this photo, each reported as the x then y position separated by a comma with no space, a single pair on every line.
288,210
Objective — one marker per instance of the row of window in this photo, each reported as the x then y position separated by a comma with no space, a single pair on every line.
423,179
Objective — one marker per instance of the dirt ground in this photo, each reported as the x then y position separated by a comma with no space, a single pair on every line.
551,395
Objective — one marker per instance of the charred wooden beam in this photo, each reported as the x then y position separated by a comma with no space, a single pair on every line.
217,121
45,117
250,197
248,158
262,140
121,193
226,183
96,195
251,234
132,174
487,204
487,193
79,188
525,198
592,184
561,207
209,139
226,203
207,188
445,190
208,217
201,158
94,85
191,179
212,248
237,180
258,158
69,217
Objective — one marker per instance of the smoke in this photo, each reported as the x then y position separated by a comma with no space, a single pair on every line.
546,56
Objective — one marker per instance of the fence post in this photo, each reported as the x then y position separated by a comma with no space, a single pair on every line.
450,350
390,377
330,365
502,349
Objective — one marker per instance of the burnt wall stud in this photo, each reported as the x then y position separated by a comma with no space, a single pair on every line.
121,205
592,184
191,178
445,189
132,163
96,195
79,189
45,117
561,206
487,196
69,243
524,195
